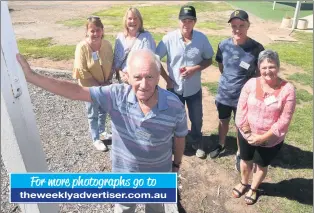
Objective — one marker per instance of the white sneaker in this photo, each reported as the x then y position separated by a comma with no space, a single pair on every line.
100,146
105,136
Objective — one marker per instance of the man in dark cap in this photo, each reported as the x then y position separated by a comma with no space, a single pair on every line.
188,53
237,60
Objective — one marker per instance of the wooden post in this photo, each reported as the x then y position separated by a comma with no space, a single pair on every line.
21,148
296,15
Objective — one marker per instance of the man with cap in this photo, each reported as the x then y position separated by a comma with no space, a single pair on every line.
237,60
188,52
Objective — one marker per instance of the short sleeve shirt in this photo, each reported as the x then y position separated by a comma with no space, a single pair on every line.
144,40
141,143
239,65
180,54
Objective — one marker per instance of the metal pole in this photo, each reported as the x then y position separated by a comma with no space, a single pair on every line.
296,15
274,4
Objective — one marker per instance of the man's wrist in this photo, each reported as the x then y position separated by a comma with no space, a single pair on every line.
176,165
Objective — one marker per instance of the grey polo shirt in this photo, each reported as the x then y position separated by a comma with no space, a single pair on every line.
180,54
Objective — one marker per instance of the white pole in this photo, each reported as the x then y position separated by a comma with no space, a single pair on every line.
21,148
274,4
296,15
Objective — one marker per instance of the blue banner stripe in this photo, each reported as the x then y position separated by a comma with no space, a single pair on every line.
119,195
93,180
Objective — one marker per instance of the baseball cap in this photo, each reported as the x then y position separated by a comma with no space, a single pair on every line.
240,14
187,12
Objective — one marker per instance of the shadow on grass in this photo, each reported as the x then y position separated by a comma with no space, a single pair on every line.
289,157
298,189
292,157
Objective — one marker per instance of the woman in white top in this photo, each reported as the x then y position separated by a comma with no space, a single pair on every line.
132,38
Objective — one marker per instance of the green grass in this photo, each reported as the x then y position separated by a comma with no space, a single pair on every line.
303,96
296,53
210,7
43,48
301,127
111,39
264,9
302,78
299,54
211,87
209,25
73,22
214,41
164,16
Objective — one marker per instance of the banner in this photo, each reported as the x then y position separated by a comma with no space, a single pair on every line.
93,187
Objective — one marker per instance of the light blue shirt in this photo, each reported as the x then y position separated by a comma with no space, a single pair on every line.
141,143
144,40
180,54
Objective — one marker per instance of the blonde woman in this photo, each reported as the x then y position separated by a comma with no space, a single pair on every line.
92,67
133,37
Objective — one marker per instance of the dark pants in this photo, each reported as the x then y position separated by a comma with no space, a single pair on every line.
195,108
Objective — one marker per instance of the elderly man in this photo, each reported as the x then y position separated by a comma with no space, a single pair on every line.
145,118
188,53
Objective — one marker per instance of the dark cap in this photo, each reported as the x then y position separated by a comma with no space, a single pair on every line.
240,14
187,12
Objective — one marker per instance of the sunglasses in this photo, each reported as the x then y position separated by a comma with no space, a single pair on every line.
93,17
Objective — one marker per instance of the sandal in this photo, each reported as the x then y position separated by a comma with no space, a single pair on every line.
238,193
249,200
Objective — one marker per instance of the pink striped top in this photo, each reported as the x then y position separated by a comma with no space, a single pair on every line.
276,116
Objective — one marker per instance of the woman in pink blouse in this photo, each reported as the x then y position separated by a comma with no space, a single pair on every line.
265,109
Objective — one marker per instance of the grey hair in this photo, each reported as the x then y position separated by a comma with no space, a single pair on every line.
270,55
152,55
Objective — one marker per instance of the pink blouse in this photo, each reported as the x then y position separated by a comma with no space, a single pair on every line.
261,117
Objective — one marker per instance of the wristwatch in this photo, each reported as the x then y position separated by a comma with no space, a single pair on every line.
176,165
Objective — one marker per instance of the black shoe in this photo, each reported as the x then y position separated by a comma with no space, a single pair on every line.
237,164
217,151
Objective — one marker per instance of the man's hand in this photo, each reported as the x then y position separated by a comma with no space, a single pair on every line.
187,72
124,77
175,169
24,64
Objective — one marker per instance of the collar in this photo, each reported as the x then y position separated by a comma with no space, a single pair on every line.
181,36
161,103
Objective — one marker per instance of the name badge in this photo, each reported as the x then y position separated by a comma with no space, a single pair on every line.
244,65
95,56
142,134
270,100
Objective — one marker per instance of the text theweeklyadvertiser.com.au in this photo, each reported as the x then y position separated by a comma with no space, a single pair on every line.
88,195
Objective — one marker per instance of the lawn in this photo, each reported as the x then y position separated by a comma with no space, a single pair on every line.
44,48
164,16
299,54
264,9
